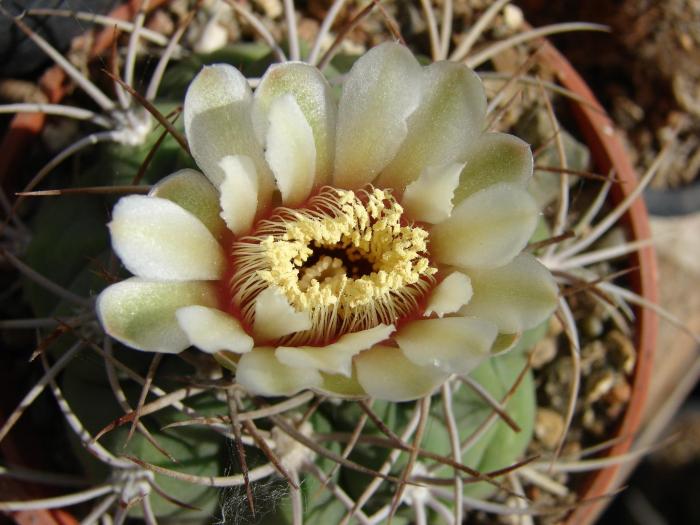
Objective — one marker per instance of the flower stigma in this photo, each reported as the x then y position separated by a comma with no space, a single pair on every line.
349,259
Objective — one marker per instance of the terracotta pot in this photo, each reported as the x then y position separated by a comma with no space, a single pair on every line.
609,154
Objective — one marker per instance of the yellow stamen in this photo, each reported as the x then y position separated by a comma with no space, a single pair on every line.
315,256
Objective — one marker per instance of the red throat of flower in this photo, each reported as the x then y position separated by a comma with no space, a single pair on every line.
347,259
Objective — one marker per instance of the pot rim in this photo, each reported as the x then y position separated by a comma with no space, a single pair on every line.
609,155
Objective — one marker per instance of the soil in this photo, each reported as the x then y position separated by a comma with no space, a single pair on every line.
646,72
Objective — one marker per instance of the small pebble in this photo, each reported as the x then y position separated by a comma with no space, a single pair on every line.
12,90
513,16
593,326
549,426
599,384
622,352
544,351
620,393
592,356
592,422
271,8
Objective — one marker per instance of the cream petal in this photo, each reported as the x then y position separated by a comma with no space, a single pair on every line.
516,297
141,314
291,152
157,239
381,91
455,345
192,191
453,292
275,317
212,330
262,374
495,158
338,385
429,198
487,229
505,343
239,193
218,124
335,358
385,373
312,93
445,125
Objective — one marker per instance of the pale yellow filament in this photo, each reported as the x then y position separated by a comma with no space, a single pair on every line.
366,225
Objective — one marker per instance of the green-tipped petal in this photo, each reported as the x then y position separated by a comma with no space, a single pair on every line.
192,191
141,314
212,330
516,297
384,372
218,124
453,344
311,92
262,374
486,230
341,386
157,239
494,158
505,343
381,91
445,125
335,358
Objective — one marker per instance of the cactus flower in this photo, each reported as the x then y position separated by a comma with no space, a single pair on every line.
370,246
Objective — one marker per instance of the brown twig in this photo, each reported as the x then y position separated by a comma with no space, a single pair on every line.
88,190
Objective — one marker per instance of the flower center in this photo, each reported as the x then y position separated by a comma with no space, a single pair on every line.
346,259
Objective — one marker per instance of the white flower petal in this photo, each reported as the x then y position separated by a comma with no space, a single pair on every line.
494,158
212,330
385,373
335,358
487,229
192,191
505,343
445,125
239,193
455,345
429,198
262,374
275,317
453,292
516,297
291,151
381,91
338,385
141,314
312,93
157,239
218,124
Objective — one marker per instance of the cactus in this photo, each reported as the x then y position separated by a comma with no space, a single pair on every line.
262,393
